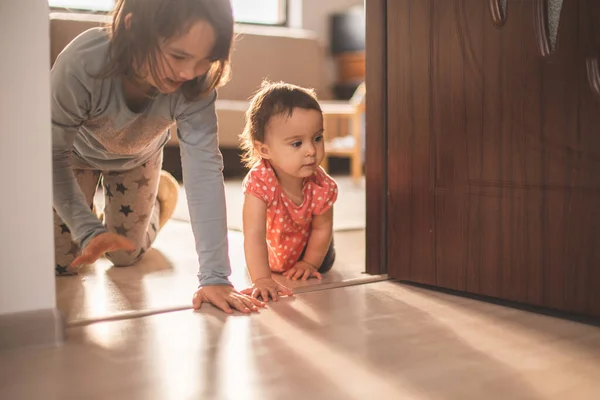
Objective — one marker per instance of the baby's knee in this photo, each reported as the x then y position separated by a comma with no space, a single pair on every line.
122,258
328,261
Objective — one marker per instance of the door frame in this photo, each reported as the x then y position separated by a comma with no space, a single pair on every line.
376,137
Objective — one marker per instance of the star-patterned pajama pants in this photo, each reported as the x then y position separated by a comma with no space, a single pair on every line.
131,210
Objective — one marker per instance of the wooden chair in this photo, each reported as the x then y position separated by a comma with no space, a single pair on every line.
343,130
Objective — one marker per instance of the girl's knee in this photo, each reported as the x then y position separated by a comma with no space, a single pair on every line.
124,258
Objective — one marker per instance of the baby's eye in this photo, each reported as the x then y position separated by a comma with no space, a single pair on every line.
296,144
318,138
177,57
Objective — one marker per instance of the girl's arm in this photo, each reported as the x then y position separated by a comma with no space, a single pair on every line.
205,190
202,167
254,215
71,100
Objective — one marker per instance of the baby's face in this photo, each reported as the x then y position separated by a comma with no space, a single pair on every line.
295,143
184,58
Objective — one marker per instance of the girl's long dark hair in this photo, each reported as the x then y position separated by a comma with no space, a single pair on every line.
153,20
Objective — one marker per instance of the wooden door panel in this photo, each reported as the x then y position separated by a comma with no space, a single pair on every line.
582,282
497,130
410,208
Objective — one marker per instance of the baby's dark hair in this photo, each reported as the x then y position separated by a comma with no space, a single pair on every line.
270,100
155,19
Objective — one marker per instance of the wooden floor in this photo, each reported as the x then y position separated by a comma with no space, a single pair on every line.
166,279
379,340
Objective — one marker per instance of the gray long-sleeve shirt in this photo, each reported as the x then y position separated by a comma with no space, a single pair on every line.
91,121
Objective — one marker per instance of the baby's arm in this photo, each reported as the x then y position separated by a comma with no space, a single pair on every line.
320,238
254,214
318,243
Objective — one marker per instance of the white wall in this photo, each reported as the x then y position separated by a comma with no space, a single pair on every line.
26,234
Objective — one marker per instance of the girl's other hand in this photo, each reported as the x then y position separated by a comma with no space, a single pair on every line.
225,297
104,242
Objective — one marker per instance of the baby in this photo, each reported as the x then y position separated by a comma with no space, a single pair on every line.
288,203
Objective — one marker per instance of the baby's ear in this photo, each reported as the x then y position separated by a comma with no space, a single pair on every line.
262,149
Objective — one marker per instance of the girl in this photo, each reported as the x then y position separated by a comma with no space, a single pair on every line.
287,213
116,92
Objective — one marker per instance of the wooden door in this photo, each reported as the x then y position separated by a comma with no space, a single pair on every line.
493,137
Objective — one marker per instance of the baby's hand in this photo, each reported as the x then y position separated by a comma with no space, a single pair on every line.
266,287
302,270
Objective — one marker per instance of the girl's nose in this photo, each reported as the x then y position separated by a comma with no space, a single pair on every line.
187,74
194,70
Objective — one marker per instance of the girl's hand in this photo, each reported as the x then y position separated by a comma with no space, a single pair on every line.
302,270
225,297
104,242
266,287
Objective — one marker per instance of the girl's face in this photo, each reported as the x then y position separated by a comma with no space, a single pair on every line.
183,58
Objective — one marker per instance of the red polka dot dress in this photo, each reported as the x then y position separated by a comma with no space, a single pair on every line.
288,224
